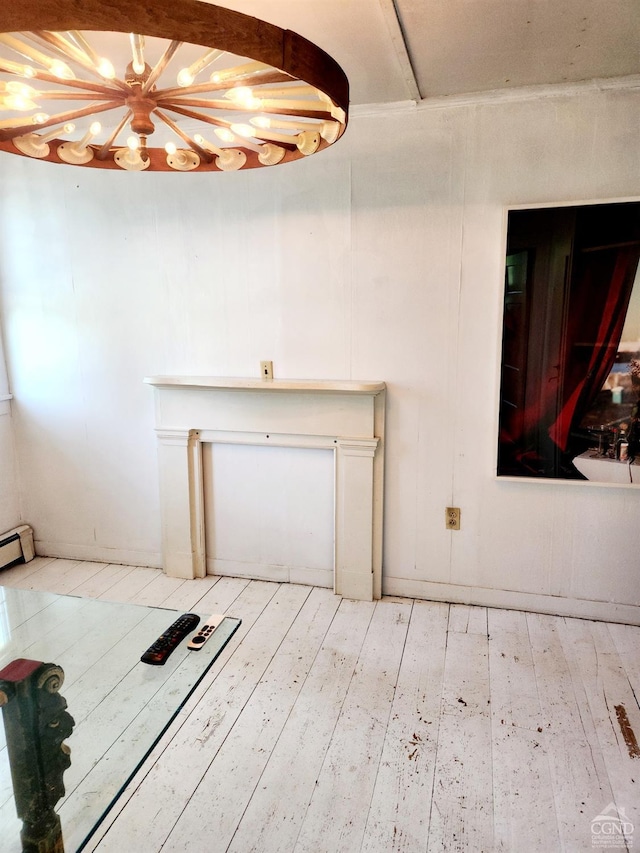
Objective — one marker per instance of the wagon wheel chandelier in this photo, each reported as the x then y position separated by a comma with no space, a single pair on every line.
93,84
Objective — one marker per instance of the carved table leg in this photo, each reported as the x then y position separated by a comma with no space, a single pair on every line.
36,724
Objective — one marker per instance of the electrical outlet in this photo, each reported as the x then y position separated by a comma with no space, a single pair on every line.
266,369
452,517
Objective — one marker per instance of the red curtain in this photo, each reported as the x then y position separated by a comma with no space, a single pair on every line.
599,299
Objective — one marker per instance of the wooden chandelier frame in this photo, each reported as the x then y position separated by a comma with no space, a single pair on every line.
292,59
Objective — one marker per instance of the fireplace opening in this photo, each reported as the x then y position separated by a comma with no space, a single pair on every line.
269,512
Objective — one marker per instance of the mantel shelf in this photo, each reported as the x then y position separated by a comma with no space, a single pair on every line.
339,386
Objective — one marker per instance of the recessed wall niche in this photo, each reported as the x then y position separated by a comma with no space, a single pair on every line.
570,371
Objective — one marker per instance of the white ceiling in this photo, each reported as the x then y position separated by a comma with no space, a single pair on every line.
457,47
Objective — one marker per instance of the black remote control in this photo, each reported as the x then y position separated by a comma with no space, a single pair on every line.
170,639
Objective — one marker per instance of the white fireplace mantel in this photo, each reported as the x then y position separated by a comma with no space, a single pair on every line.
346,417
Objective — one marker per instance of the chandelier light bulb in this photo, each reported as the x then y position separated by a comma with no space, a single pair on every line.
243,96
52,134
181,160
129,158
227,135
187,75
137,49
16,68
40,118
105,68
204,143
224,134
16,102
244,130
260,121
61,70
16,88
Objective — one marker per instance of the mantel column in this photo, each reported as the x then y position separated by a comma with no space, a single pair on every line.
354,530
181,503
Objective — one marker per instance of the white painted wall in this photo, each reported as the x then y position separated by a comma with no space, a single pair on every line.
380,259
9,501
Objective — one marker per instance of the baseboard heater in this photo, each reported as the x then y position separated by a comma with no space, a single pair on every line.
16,546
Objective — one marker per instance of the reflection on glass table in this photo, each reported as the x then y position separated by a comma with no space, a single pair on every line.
120,706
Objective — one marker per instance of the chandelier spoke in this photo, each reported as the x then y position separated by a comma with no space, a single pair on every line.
162,63
61,118
88,95
194,114
184,136
104,150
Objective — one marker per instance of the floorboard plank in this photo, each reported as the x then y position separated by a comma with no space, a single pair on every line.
16,575
399,810
595,662
154,594
521,773
188,596
130,585
336,818
272,820
462,806
579,777
102,581
627,642
51,577
221,597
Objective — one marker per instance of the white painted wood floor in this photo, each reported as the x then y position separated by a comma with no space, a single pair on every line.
330,725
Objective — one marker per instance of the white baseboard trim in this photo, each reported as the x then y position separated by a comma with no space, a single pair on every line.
97,554
556,605
267,572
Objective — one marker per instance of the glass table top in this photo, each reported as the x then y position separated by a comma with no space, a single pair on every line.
119,705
